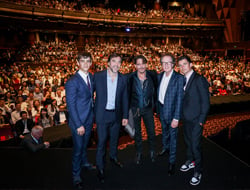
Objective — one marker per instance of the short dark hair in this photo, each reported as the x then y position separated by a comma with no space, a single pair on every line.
140,57
185,57
23,112
84,55
113,55
167,54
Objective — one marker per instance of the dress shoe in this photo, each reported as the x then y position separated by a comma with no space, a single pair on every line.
78,185
116,162
171,169
152,156
89,167
138,158
100,175
163,152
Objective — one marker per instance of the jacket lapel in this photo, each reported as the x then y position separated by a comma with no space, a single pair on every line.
190,81
82,82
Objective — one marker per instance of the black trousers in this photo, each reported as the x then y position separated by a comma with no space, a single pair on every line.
148,118
193,136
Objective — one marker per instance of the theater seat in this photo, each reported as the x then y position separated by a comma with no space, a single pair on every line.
6,132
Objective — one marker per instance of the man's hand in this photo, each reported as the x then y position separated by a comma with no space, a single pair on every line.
80,131
174,123
21,136
46,144
124,122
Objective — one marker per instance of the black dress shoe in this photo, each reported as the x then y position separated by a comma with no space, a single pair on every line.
138,158
152,156
171,169
78,185
163,152
100,175
89,167
116,162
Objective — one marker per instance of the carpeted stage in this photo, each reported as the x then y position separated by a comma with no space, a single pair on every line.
51,169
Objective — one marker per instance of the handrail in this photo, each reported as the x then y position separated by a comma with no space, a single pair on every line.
30,10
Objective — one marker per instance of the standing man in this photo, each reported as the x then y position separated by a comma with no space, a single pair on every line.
111,111
170,97
142,95
79,93
196,105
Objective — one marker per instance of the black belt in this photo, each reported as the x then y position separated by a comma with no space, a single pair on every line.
110,110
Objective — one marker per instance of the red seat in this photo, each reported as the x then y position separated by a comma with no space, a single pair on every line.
5,132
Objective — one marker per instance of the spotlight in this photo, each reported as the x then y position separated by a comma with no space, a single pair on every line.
127,29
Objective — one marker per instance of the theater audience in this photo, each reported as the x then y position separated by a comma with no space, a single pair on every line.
45,120
16,114
52,108
61,116
24,125
35,110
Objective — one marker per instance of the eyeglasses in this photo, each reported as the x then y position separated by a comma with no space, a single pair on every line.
167,63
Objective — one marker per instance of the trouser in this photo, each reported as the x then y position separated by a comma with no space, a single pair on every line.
169,139
147,115
192,136
79,155
109,128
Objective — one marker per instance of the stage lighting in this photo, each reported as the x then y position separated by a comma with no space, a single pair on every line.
127,29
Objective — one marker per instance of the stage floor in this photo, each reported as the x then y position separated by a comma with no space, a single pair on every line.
51,169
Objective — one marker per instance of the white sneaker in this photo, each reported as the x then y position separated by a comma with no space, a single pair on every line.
187,166
196,179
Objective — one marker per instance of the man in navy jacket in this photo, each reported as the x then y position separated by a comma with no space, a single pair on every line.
79,93
170,97
111,111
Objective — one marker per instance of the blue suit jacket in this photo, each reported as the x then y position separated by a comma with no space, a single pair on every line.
79,101
121,99
173,97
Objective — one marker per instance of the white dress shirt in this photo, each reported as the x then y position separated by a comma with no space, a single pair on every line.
163,86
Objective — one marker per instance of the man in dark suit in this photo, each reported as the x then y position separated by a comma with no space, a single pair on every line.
34,141
111,110
142,95
24,125
196,105
79,93
61,116
170,96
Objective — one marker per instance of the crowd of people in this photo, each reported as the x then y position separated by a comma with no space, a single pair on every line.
87,8
35,85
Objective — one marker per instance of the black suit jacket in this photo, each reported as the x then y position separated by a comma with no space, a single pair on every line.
29,143
121,99
57,119
19,126
196,100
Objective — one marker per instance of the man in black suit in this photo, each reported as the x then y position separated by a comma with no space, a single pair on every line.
142,98
34,141
111,110
61,116
196,105
24,125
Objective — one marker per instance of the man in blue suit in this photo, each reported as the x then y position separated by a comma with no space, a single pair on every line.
111,111
170,97
196,104
79,93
